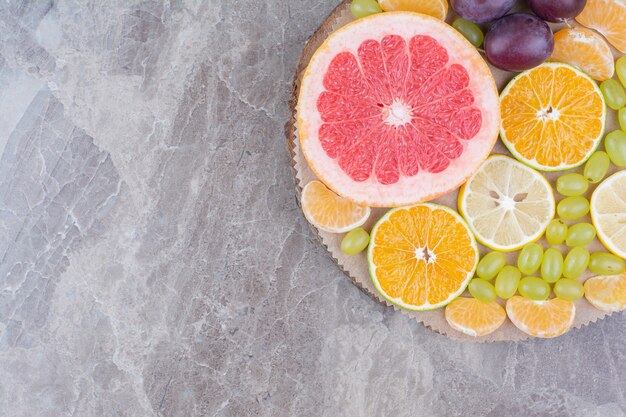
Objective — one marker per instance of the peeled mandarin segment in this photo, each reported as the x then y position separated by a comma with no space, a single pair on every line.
553,116
608,213
506,203
586,50
607,293
329,212
421,257
545,319
607,17
473,317
435,8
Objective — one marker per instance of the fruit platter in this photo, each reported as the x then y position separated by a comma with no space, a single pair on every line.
464,162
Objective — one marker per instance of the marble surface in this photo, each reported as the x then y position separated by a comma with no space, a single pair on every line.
154,261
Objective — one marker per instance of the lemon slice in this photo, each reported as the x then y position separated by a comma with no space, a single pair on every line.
506,204
329,212
608,213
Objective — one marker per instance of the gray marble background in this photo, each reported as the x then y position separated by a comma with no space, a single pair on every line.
153,260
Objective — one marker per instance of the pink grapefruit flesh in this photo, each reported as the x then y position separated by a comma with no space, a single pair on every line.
396,109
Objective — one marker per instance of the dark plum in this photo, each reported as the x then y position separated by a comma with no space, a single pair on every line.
518,42
482,11
557,10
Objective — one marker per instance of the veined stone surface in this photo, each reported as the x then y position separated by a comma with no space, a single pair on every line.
153,260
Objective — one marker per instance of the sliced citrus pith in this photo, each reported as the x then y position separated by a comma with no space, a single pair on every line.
434,8
421,257
608,213
329,212
607,293
396,108
553,116
586,50
506,204
546,319
607,17
473,317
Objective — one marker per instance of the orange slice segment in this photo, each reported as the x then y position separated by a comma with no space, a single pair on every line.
586,50
553,117
607,17
607,293
329,212
546,319
421,257
473,317
434,8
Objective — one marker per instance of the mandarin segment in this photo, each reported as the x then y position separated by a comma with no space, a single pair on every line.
586,50
436,269
607,293
434,8
607,17
473,317
545,319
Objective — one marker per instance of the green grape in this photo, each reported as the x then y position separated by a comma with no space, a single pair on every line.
604,263
552,265
363,8
482,290
507,281
568,289
572,208
534,288
614,94
529,259
615,144
575,263
621,117
620,69
580,234
556,232
597,166
470,31
490,265
355,241
571,184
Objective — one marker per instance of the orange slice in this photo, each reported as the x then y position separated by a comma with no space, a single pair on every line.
330,212
550,318
434,8
553,117
421,257
607,293
473,317
586,50
607,17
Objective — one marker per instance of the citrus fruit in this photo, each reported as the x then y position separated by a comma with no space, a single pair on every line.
421,257
473,317
434,8
586,50
553,116
329,212
607,17
608,213
396,108
506,204
548,318
607,293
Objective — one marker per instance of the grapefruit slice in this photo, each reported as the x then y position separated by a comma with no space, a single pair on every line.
395,109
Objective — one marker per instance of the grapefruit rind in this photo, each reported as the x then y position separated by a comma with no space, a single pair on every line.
532,163
424,186
595,201
489,243
425,307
